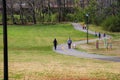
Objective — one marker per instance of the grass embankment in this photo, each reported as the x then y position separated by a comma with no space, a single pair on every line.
31,56
91,47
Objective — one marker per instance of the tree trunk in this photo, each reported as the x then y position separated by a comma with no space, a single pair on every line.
49,8
21,12
12,13
34,16
59,9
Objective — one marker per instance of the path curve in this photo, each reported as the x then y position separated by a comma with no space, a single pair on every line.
63,48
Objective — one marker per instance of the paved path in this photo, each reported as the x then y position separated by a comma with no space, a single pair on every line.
63,48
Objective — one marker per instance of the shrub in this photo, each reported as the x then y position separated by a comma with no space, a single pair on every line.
70,17
54,17
0,18
112,23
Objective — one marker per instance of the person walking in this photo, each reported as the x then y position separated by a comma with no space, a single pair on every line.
95,34
69,42
55,43
99,35
104,35
110,43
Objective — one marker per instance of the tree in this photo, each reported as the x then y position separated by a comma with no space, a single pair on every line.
112,23
49,8
12,11
33,9
21,12
59,9
91,9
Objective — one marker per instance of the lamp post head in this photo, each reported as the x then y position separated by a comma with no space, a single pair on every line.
87,15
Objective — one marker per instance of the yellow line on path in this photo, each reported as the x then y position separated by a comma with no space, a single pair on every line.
64,49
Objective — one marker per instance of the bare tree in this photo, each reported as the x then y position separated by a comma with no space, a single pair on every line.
9,7
49,8
32,6
21,11
12,11
59,9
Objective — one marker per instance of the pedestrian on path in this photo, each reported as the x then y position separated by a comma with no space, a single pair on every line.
55,43
69,42
110,43
99,35
95,34
104,35
105,43
85,27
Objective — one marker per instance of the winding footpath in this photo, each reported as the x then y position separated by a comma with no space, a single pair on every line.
63,48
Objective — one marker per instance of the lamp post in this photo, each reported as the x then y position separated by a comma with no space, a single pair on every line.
87,25
5,40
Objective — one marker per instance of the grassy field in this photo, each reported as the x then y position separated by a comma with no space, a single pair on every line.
31,56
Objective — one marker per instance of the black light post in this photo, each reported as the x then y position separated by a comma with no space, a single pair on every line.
5,41
87,25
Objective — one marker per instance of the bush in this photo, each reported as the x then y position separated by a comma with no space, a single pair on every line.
0,18
112,23
99,19
54,17
70,17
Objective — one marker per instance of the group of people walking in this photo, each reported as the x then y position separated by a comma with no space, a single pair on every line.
100,35
69,42
107,42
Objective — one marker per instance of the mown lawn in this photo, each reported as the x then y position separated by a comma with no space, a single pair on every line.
31,56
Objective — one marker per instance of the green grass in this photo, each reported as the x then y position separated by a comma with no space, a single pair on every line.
37,39
31,56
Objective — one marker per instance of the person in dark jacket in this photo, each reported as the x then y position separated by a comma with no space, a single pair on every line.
55,43
104,35
99,35
69,42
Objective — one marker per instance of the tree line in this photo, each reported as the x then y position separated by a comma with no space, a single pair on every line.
101,12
